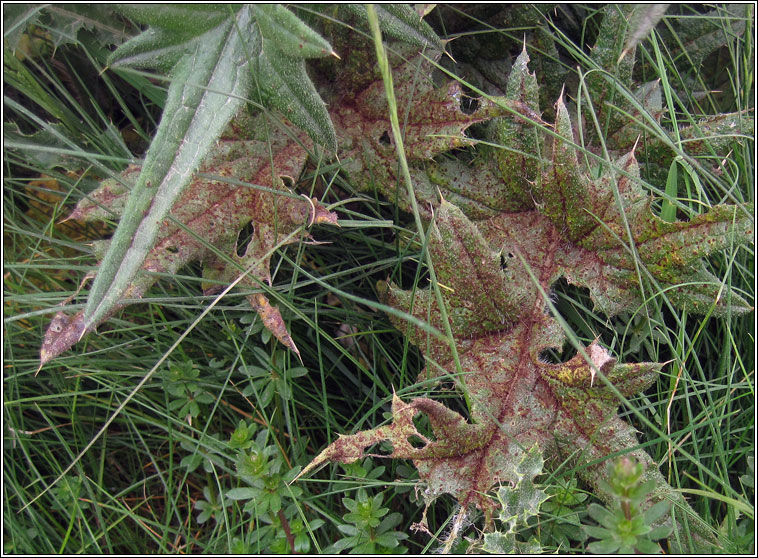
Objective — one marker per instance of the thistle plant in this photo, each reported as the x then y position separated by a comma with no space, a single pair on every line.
562,157
502,230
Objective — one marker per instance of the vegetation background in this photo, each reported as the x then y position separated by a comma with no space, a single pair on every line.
200,458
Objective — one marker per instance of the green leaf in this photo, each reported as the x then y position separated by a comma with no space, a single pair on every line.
290,35
657,511
392,520
659,532
284,85
203,96
297,372
275,502
53,149
399,21
523,500
608,546
351,530
668,209
596,532
499,543
389,540
184,18
243,493
157,48
646,546
291,474
602,515
342,544
62,22
16,19
366,548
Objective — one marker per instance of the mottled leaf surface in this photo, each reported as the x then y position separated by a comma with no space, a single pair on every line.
504,231
433,122
213,212
218,56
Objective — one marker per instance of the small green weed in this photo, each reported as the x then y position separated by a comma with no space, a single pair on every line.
624,527
368,527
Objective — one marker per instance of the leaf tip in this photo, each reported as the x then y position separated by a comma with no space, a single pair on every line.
63,333
321,215
273,321
447,53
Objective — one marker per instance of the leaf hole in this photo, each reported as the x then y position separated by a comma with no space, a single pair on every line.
469,105
416,441
172,249
385,138
570,299
384,448
244,238
288,181
424,427
447,386
411,277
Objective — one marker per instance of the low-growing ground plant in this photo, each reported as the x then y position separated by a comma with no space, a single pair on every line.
343,278
624,528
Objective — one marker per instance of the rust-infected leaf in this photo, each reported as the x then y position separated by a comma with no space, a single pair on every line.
63,332
504,232
433,122
213,212
273,321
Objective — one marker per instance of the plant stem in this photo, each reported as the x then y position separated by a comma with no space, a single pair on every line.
287,532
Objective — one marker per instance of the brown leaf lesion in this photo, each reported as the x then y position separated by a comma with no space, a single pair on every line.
210,213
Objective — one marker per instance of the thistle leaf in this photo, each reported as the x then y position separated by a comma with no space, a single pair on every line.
62,21
284,85
212,214
643,19
207,86
292,37
16,18
518,161
435,123
184,18
399,22
496,256
607,55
